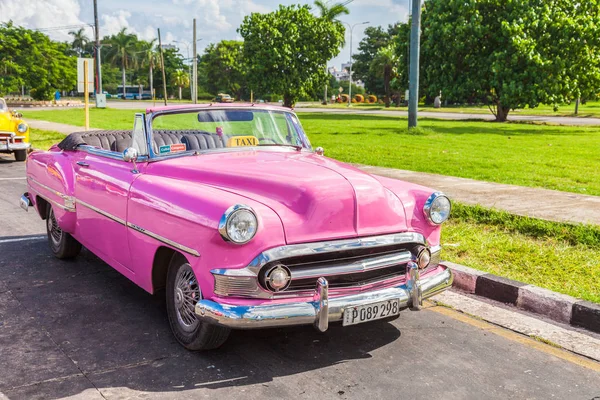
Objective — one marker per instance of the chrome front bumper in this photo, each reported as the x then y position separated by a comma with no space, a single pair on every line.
323,310
10,147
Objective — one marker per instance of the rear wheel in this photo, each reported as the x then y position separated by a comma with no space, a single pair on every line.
20,155
183,292
62,244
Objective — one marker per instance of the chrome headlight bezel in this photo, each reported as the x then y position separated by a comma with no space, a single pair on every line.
431,202
224,223
22,127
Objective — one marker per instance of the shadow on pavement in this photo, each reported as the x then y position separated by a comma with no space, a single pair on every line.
69,326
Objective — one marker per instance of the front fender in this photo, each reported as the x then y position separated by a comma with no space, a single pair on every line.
188,214
414,197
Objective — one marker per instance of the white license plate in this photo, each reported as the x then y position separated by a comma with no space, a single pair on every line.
371,312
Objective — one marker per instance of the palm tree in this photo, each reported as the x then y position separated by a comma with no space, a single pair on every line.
385,64
181,79
331,12
149,56
123,52
79,40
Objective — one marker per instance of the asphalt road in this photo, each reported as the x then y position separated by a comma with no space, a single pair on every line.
80,329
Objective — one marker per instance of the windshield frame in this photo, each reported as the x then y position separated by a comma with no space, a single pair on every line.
150,116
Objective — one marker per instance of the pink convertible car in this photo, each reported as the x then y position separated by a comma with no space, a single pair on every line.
230,210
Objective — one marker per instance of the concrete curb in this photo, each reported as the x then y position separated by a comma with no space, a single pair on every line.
556,306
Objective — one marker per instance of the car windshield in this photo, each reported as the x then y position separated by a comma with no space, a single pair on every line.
225,128
3,106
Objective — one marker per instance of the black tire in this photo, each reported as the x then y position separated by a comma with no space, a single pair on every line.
62,244
20,155
183,292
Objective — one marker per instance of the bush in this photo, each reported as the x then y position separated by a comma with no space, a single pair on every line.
205,96
372,99
359,98
42,93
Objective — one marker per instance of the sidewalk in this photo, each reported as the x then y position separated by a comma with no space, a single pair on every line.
545,204
571,121
55,126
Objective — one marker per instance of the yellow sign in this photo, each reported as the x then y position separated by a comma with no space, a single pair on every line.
238,141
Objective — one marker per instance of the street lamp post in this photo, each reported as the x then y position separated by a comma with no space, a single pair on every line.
350,86
187,45
190,63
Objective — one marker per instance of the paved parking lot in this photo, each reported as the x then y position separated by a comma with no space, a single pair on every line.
80,329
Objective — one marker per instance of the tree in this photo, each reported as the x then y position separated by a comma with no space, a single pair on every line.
181,79
286,50
149,56
375,39
123,52
224,67
511,54
29,58
332,12
80,40
385,64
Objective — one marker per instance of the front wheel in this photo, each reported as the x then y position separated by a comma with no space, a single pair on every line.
20,155
183,292
62,244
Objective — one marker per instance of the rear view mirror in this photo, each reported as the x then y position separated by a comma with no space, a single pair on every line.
225,116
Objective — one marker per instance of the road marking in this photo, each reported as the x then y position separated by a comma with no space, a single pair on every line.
517,337
12,179
24,239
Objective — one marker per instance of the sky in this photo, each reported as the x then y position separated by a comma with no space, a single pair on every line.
216,19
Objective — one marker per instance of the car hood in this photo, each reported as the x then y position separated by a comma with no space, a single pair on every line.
315,197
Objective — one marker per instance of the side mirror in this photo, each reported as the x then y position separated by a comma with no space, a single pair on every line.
17,114
130,154
319,151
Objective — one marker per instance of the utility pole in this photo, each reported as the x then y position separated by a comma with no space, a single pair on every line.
194,84
415,48
99,91
162,66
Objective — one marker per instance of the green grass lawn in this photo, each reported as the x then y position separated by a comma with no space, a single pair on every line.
590,109
555,157
42,140
560,257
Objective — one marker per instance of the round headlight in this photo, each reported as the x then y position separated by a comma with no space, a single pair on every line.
278,278
238,224
437,208
22,127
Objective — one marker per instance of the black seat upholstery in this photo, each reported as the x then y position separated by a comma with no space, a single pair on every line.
119,140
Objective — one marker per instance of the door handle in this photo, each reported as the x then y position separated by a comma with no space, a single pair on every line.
83,164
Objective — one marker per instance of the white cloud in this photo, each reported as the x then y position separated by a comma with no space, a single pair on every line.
36,14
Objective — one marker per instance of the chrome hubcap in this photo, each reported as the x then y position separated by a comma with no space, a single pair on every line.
186,295
54,229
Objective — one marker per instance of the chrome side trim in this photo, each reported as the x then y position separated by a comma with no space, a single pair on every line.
324,309
107,153
297,250
370,264
164,240
68,201
102,212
